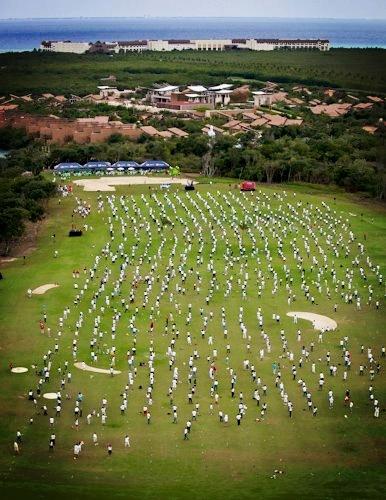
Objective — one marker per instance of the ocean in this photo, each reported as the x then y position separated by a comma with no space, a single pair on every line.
26,34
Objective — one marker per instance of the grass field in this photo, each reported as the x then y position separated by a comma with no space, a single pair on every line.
327,456
353,69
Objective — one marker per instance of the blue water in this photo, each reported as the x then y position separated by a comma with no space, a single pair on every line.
26,34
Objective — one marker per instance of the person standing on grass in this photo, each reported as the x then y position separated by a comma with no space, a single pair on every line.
127,441
16,448
109,449
95,439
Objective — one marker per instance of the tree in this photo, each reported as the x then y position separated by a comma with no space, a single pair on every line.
11,226
208,165
270,169
115,139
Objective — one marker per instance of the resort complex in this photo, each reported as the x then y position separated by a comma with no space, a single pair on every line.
256,44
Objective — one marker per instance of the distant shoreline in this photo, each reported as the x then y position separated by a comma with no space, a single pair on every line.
318,19
25,34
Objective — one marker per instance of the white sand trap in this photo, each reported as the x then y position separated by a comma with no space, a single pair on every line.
50,395
44,288
83,366
108,183
319,321
19,369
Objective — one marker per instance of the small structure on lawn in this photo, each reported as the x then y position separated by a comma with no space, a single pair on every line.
154,165
97,165
248,186
68,167
126,165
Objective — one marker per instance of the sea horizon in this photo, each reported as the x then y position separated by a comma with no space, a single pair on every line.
197,17
26,34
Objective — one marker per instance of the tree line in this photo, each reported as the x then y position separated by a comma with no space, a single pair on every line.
22,199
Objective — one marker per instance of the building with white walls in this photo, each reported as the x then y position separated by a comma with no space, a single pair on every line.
190,97
262,98
255,44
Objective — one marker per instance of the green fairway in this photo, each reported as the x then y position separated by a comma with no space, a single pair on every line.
198,252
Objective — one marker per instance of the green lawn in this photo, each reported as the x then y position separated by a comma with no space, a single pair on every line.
328,456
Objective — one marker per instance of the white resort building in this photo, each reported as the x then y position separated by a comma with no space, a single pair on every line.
170,45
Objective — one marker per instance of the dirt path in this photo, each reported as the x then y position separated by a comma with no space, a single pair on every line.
83,366
44,288
19,369
319,321
108,183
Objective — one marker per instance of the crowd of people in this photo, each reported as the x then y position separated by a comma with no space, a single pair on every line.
179,276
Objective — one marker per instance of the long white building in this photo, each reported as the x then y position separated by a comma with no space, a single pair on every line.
256,44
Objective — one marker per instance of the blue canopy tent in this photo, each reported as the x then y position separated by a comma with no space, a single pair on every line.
126,165
97,165
154,165
68,167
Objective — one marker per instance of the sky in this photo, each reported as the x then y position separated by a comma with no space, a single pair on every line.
369,9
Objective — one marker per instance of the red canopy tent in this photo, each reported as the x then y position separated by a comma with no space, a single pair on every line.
248,186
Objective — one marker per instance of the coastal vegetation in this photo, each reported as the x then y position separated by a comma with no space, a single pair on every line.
358,69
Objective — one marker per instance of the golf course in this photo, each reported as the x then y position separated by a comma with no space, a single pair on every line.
175,308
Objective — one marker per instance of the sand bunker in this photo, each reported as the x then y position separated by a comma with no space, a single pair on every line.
43,289
320,322
83,366
19,369
108,183
50,395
